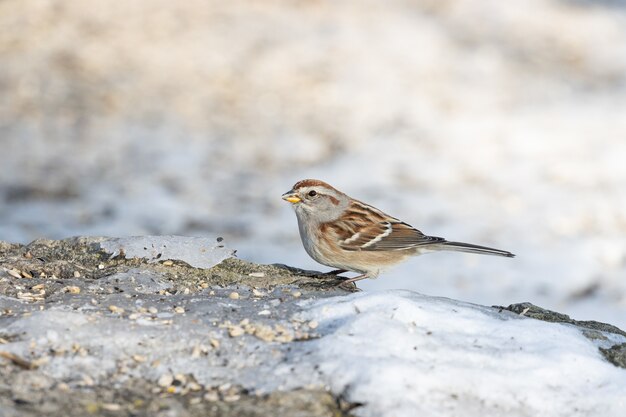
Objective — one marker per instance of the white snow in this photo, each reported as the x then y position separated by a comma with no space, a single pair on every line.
404,354
196,251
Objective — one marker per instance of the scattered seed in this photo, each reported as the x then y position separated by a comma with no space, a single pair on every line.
14,273
231,397
204,285
313,324
264,313
258,293
179,310
235,331
76,274
165,380
215,343
195,352
152,310
17,360
72,289
234,295
116,309
139,358
101,266
111,406
257,274
211,396
26,274
297,294
168,263
194,386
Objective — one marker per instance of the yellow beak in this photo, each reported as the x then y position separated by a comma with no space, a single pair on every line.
291,197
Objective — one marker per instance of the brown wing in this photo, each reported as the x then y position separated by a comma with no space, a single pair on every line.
368,229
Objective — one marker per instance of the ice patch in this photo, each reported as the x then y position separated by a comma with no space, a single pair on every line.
198,252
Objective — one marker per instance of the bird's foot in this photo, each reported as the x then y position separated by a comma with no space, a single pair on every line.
336,272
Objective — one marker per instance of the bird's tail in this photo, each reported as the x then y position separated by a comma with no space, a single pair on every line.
469,248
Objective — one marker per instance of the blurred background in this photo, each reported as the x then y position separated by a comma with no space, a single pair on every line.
497,123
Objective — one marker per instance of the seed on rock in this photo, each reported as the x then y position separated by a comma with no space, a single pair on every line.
139,358
116,309
72,289
76,274
211,396
194,386
257,274
26,274
101,266
179,310
231,397
258,293
297,294
234,295
204,285
152,310
236,331
165,380
14,273
168,263
313,324
215,343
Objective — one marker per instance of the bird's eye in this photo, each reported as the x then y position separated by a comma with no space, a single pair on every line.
312,193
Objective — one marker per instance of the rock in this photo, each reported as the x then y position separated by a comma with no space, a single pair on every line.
291,342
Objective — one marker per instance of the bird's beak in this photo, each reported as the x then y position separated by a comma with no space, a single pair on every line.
291,197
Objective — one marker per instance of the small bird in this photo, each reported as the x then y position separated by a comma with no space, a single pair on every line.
344,233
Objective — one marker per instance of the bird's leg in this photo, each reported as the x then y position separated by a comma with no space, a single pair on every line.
336,272
357,278
349,284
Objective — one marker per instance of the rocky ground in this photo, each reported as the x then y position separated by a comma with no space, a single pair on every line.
60,291
84,330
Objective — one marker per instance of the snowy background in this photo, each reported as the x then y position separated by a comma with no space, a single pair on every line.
477,120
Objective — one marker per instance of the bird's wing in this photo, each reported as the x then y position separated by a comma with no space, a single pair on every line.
366,228
385,236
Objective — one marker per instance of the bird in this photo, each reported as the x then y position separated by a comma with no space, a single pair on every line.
350,235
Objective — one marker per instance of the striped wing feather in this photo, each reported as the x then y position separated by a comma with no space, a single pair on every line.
368,229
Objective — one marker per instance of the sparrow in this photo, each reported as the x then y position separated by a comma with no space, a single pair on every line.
350,235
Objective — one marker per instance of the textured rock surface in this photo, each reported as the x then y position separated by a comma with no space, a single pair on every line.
103,334
85,331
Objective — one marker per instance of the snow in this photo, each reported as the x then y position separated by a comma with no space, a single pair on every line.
401,353
396,353
195,251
